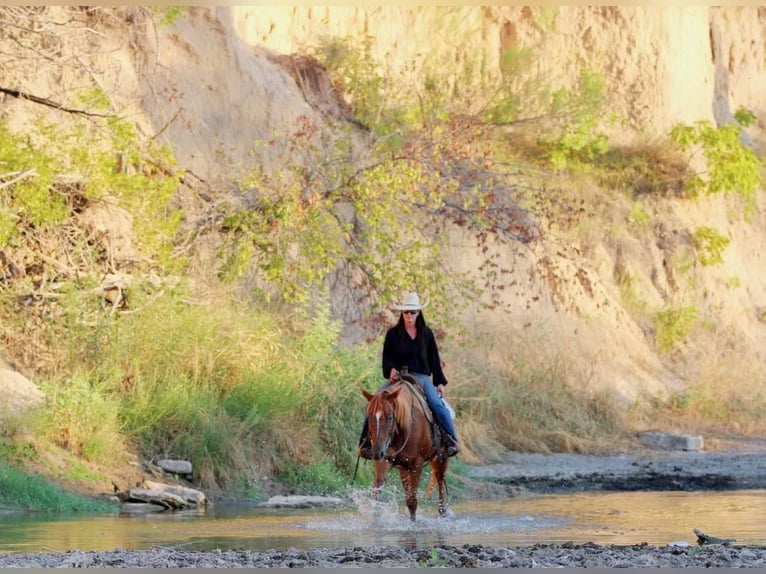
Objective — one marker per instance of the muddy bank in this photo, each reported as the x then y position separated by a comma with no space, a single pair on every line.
677,470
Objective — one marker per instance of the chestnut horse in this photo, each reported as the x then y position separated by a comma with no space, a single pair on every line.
400,433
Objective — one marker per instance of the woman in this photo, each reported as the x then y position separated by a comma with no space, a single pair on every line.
411,343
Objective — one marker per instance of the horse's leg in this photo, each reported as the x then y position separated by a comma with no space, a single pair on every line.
381,472
410,481
439,473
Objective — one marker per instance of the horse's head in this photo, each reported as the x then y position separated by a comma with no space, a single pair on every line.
382,418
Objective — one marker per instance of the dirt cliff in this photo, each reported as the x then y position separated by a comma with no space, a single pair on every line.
210,84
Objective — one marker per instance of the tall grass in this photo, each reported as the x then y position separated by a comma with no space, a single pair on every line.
724,395
521,399
239,391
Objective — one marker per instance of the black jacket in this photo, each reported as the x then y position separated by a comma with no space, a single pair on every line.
420,355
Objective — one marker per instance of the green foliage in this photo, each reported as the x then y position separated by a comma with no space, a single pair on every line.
709,245
33,493
44,171
567,123
434,561
671,326
351,64
307,226
15,451
26,176
580,140
332,383
515,63
732,166
638,215
382,219
177,369
231,389
168,15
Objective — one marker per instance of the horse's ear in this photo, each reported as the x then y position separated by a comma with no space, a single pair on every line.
393,394
367,394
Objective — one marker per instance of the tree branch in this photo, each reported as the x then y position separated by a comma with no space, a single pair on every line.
46,102
18,177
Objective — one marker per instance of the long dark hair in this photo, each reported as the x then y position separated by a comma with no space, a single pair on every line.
422,336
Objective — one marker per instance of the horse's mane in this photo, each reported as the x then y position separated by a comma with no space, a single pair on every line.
402,404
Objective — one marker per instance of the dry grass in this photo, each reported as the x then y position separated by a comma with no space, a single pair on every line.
644,168
526,399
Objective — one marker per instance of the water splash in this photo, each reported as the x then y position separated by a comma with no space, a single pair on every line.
389,515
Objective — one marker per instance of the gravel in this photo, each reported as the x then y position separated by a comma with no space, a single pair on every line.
466,556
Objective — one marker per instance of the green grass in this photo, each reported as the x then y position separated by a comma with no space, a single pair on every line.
30,493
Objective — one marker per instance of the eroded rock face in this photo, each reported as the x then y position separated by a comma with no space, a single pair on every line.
222,78
664,64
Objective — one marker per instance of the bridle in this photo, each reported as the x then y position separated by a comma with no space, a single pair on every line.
393,434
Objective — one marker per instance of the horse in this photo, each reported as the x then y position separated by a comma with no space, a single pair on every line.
400,432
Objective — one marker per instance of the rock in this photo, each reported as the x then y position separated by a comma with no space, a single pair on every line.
158,497
140,508
18,393
703,538
295,501
175,466
188,494
665,441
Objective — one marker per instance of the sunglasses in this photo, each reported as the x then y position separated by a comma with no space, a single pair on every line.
410,312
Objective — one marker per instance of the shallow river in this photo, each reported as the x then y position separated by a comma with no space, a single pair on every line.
605,518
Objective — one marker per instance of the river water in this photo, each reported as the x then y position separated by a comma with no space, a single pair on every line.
657,518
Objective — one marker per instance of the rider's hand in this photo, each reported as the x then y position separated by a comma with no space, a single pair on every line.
440,390
394,376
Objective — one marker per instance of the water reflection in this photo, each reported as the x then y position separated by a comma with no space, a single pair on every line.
604,518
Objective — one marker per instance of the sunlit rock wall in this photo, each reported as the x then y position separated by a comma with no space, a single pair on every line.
663,64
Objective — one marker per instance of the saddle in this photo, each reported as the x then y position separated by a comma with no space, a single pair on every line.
416,387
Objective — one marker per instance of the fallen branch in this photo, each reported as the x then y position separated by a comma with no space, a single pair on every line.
50,103
18,176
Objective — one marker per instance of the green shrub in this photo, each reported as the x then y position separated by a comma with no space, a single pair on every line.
732,166
671,326
709,245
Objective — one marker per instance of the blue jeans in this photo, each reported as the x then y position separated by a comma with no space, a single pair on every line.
435,403
441,414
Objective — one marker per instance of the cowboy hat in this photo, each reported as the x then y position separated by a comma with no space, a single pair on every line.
411,303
